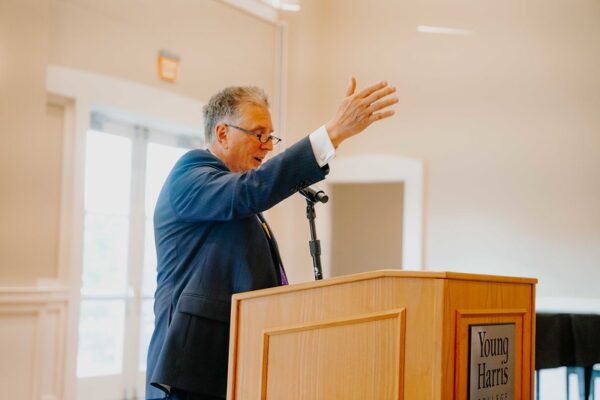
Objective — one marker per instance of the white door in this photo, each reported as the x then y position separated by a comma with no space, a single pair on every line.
126,165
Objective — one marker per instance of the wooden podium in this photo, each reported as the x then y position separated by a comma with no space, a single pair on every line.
382,335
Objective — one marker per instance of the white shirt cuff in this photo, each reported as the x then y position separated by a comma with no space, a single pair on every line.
321,146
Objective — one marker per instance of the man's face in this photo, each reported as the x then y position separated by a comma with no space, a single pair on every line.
245,151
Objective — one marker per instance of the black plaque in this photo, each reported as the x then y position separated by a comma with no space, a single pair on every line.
492,362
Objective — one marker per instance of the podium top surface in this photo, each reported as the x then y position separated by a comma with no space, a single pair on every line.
387,273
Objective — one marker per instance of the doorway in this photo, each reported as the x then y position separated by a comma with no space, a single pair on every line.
366,227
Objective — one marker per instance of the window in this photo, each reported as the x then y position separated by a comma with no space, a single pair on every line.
126,165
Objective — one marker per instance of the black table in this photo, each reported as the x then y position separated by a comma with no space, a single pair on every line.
568,340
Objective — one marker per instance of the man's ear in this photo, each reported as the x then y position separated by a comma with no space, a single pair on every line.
221,135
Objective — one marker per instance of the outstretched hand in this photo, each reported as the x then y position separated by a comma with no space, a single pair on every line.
359,110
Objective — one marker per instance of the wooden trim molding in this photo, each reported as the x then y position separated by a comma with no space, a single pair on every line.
465,318
383,273
33,322
29,295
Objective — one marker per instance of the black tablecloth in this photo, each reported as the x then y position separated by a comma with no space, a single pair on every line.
568,340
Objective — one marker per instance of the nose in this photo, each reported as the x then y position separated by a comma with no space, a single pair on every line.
267,146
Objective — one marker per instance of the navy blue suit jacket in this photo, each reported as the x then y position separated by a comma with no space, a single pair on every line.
210,244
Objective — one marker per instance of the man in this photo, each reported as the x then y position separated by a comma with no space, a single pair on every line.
211,238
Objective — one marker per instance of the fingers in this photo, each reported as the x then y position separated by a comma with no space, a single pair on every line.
371,89
360,109
382,104
380,116
378,94
351,87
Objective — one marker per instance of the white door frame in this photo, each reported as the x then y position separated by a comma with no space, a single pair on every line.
84,92
378,168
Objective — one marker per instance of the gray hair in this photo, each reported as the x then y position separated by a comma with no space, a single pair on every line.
227,103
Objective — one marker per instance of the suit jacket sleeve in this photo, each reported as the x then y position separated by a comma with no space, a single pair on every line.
209,192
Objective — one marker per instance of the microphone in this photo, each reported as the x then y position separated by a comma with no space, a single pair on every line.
314,195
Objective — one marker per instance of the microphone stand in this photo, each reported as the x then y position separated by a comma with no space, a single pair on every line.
313,196
314,243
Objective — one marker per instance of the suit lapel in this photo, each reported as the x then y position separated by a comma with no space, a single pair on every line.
274,248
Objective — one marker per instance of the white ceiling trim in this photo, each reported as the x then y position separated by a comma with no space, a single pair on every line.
256,8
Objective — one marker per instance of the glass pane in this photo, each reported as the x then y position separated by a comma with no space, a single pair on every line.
101,335
149,274
107,173
105,254
553,384
146,328
160,160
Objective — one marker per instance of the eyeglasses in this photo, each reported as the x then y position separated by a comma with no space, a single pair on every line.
262,137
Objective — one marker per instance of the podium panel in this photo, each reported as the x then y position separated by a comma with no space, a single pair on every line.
354,358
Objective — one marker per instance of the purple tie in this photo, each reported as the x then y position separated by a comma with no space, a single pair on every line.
284,280
273,246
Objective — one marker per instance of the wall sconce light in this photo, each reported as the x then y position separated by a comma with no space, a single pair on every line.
168,66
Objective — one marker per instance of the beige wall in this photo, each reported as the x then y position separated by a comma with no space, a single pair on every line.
28,217
306,111
218,45
506,120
